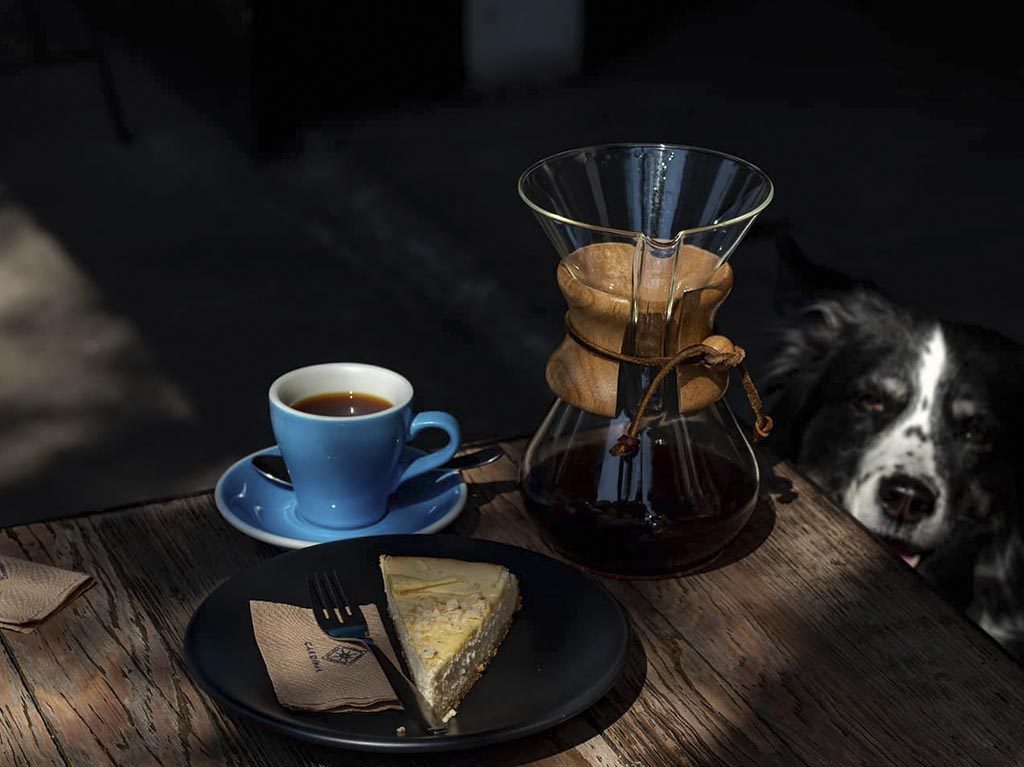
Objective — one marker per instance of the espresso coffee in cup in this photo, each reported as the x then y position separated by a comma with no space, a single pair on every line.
344,404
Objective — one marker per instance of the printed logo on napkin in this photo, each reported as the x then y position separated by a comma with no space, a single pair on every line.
345,655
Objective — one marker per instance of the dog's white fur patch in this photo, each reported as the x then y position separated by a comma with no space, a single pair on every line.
907,443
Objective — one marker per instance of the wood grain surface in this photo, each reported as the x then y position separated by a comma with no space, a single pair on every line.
806,644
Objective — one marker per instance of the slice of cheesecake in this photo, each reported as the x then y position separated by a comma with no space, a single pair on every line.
450,617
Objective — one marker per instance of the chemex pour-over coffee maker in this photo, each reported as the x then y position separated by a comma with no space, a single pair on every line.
639,468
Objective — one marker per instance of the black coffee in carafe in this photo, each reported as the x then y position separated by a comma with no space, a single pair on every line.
672,526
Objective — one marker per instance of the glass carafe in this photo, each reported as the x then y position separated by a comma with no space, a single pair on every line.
643,233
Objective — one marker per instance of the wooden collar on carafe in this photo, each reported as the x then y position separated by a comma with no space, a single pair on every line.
715,353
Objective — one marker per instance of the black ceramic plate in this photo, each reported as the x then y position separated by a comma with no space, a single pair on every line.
564,651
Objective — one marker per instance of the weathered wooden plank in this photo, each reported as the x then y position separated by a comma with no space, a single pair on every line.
24,738
815,648
104,677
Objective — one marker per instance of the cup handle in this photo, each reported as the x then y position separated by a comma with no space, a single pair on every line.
431,419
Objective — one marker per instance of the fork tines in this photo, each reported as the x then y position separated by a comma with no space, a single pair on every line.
330,603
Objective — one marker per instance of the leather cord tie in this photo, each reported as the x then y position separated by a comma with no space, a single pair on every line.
695,354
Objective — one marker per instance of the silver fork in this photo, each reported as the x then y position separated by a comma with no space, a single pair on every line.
340,619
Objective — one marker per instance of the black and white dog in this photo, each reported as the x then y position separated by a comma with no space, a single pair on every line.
915,427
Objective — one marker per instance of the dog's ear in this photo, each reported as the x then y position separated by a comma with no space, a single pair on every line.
799,279
823,311
809,339
821,308
808,346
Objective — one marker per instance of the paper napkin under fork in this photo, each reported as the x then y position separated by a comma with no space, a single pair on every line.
31,592
310,671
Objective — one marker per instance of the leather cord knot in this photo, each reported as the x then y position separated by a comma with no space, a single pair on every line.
709,357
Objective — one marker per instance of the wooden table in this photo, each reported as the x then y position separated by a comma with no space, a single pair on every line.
809,645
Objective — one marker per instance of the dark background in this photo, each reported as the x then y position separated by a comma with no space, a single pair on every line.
198,196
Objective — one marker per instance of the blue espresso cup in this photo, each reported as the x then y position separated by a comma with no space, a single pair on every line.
343,468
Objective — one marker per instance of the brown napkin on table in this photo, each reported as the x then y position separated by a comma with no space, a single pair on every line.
312,672
30,592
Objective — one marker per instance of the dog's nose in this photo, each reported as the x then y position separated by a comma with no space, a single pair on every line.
905,499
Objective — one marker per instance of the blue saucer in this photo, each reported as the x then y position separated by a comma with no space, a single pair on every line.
267,512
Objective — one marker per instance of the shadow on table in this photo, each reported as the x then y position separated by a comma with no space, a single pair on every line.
480,494
750,538
776,490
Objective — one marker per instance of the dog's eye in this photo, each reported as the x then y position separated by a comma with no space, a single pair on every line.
975,434
873,403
